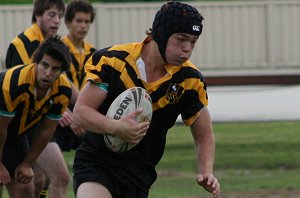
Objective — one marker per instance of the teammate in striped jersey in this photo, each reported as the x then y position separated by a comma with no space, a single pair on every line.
79,16
46,19
33,98
161,65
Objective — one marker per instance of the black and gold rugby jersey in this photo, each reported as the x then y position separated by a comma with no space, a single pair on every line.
22,47
17,99
76,73
181,92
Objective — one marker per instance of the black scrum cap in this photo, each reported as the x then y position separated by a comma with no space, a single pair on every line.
175,17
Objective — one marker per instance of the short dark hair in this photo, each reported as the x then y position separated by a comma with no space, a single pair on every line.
55,48
40,6
79,6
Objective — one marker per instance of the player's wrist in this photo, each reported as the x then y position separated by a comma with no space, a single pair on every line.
113,128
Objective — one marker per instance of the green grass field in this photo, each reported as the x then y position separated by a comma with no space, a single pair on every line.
252,160
249,157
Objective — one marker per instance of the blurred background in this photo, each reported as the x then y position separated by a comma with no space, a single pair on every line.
244,44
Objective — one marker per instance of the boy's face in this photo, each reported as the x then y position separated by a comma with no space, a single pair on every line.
47,71
79,26
180,47
50,21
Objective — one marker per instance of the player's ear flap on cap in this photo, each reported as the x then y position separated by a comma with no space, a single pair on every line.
175,17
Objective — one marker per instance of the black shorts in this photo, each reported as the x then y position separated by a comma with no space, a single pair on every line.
86,169
14,152
66,139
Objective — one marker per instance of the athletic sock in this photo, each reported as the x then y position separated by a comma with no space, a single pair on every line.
43,193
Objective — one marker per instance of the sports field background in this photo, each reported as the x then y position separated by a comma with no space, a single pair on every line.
253,160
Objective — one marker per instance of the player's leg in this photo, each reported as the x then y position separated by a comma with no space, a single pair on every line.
90,180
92,190
14,152
44,192
1,190
18,190
52,163
42,185
39,180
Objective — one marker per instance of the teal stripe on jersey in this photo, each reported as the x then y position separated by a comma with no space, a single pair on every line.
54,116
7,114
103,86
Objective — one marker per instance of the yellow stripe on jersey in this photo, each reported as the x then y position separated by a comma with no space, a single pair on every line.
22,51
23,46
10,104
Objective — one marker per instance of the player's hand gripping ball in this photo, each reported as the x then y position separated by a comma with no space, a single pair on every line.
128,101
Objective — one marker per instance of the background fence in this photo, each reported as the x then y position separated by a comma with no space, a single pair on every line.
237,35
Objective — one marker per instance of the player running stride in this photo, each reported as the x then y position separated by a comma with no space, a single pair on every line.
161,65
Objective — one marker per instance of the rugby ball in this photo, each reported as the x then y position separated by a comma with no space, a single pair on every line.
128,101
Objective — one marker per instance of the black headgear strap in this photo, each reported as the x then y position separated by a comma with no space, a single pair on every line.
175,17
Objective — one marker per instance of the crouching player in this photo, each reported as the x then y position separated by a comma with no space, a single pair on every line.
32,96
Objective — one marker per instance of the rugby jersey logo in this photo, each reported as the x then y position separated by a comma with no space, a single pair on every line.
174,93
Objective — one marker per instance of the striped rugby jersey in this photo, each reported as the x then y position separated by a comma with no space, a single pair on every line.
181,91
18,100
76,73
22,47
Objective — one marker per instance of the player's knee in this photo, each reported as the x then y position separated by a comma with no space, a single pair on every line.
39,181
27,192
61,180
21,190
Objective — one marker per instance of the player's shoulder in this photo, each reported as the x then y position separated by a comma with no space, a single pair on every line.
64,81
128,47
17,41
88,45
191,71
116,52
17,80
62,86
191,65
34,33
19,73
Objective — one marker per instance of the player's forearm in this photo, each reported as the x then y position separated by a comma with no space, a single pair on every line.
37,147
205,151
75,93
2,142
91,120
44,135
3,136
204,141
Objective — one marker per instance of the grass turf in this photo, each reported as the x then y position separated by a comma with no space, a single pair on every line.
249,157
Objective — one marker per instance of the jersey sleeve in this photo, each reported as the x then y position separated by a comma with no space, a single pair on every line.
6,105
196,99
97,67
60,103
